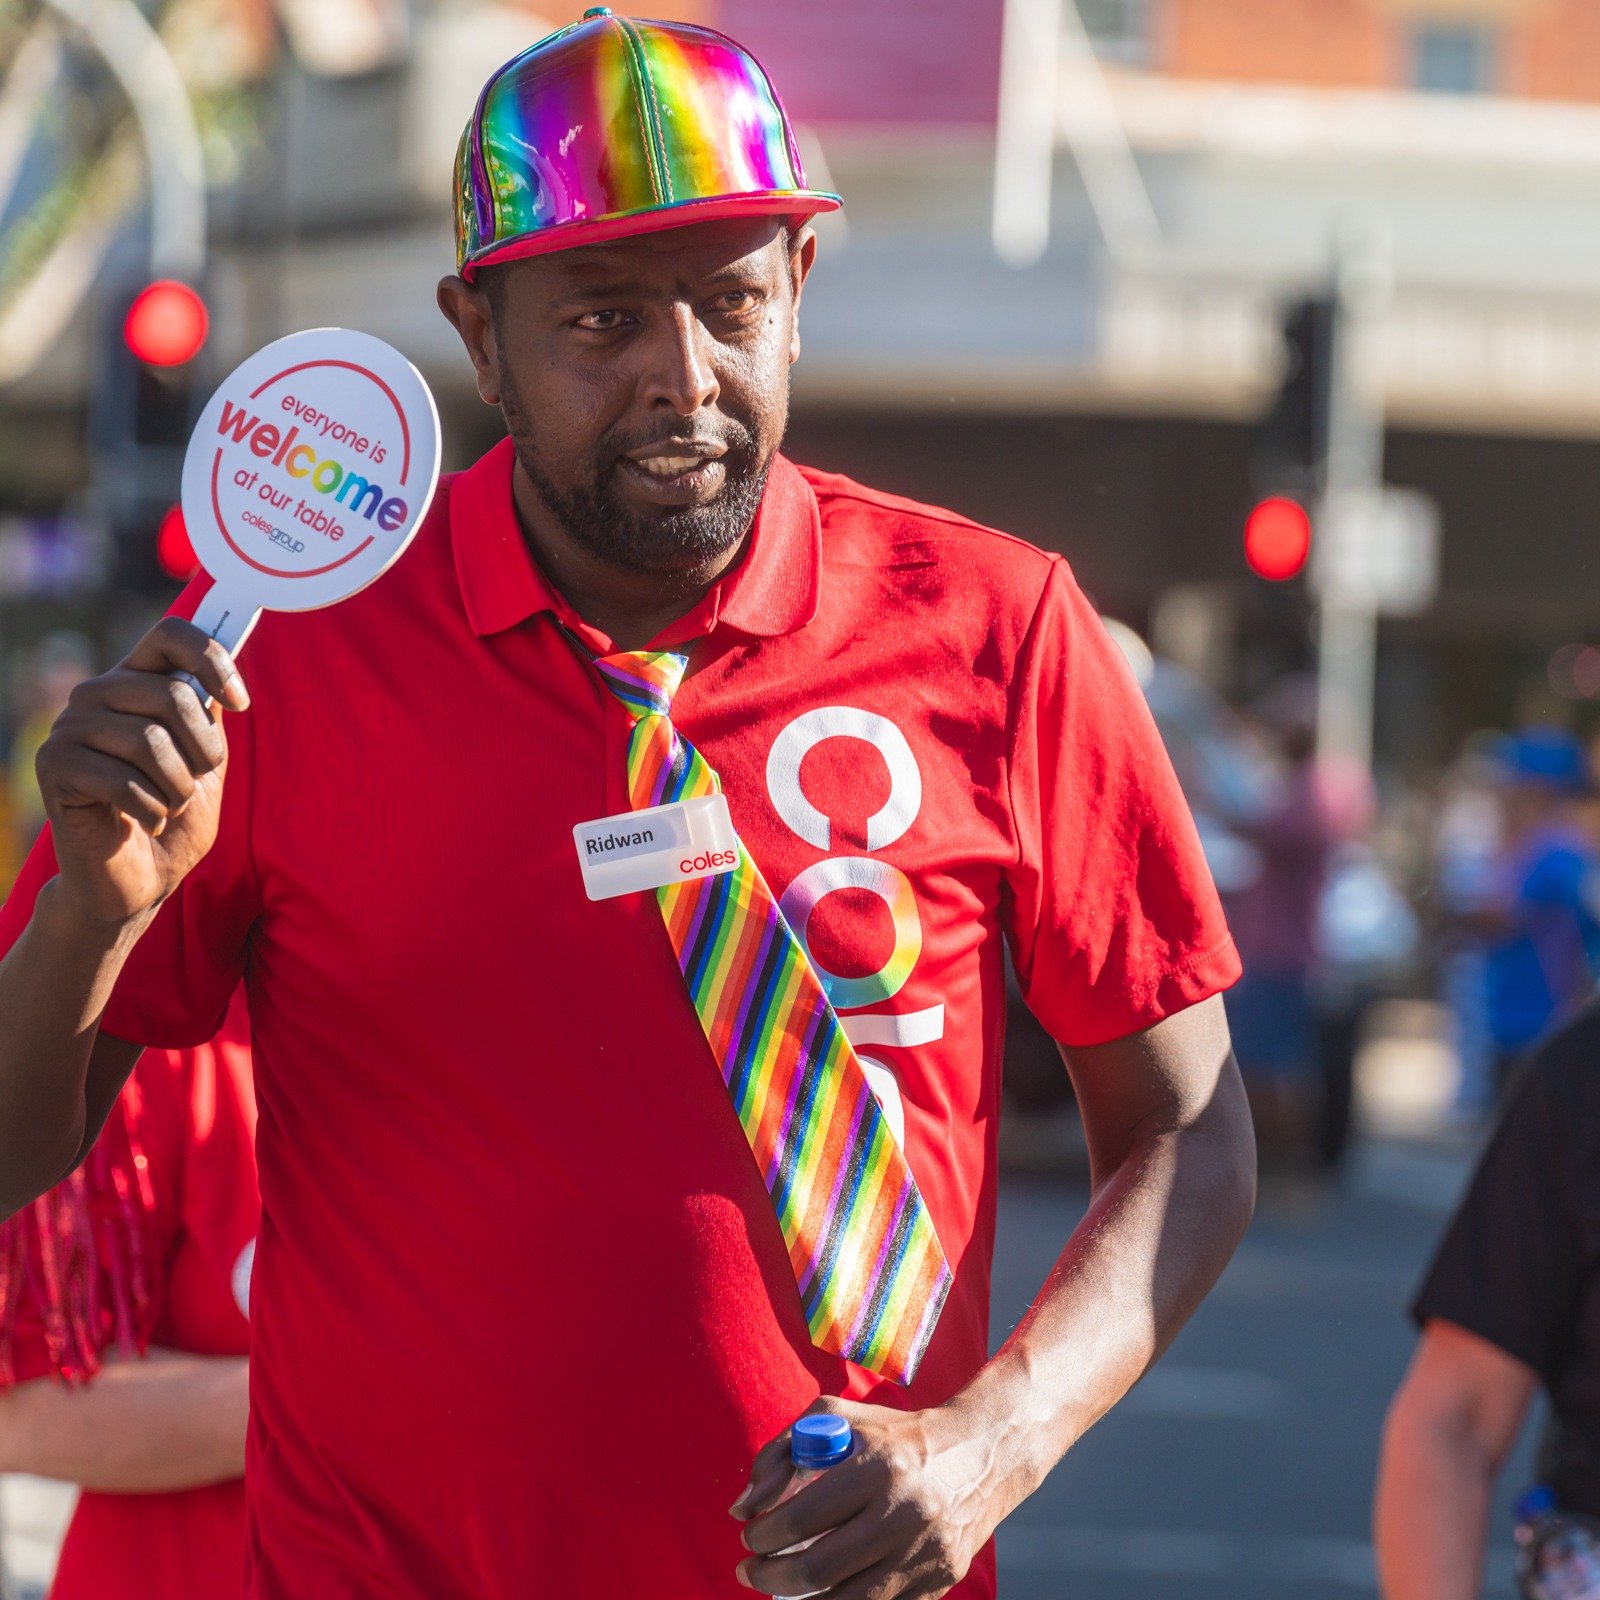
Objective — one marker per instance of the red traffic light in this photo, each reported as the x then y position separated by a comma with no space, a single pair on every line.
1277,539
174,554
166,324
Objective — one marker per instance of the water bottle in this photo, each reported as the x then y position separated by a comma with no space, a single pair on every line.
1558,1557
815,1444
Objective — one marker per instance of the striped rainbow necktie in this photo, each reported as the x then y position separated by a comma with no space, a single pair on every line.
871,1273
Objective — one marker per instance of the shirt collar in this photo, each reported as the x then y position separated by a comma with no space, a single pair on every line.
772,591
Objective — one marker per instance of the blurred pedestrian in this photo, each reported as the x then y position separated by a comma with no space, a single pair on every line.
578,1199
1510,1304
1468,842
1543,920
1275,918
124,1332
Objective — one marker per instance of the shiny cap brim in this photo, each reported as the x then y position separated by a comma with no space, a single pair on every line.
802,204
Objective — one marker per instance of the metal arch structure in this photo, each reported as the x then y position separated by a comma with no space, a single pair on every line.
1052,90
142,65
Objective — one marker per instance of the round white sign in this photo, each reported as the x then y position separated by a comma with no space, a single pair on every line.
307,474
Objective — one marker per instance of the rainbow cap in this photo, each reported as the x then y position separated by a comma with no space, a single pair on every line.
617,126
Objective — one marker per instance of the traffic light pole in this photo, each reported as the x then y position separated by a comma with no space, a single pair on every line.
133,51
1347,625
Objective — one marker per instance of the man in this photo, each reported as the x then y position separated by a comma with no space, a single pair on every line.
1511,1303
527,1309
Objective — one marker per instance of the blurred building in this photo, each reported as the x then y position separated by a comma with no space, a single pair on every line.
1178,182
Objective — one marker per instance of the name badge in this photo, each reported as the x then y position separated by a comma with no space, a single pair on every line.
665,844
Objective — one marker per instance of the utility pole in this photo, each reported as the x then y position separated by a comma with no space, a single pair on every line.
1347,624
1025,130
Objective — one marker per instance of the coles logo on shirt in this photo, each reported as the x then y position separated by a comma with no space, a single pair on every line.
858,994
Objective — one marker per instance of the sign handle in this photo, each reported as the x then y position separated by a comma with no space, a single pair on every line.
228,620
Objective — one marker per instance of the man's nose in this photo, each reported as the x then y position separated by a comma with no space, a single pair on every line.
680,372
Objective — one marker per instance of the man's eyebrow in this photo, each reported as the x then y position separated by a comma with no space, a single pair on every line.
743,276
582,287
735,272
585,282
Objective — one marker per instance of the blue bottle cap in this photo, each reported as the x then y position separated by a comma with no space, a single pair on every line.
816,1442
1537,1502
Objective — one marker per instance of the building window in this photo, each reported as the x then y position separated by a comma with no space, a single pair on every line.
1453,57
1119,29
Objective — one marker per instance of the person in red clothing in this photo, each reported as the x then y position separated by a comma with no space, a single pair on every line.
124,1332
527,1319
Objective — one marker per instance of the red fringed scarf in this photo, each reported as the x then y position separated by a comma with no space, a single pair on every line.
77,1260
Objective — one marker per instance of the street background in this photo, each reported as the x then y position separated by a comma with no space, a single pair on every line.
1242,1468
1279,318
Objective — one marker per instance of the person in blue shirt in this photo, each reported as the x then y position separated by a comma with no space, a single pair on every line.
1544,927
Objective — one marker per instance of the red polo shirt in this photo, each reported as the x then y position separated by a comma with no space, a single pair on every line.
523,1312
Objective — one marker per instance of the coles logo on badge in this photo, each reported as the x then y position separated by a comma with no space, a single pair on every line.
709,861
310,465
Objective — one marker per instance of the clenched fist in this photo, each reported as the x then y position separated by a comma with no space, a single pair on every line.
132,772
905,1514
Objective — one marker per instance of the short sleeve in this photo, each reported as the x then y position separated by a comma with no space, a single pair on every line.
1510,1267
1111,914
1559,878
175,988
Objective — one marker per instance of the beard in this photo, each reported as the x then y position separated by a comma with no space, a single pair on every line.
663,542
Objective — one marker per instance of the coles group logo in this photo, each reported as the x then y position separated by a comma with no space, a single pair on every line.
309,467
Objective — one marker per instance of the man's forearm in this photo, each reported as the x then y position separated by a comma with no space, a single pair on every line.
1435,1485
168,1421
1173,1157
1161,1228
54,984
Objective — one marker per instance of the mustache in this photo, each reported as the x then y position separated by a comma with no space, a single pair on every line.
732,439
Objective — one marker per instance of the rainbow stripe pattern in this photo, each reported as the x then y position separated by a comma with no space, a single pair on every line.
616,126
870,1270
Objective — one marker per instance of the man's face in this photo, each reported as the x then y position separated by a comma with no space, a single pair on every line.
645,383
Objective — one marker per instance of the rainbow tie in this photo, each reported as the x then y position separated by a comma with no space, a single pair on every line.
871,1274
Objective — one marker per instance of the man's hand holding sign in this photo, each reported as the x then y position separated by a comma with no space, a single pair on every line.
132,773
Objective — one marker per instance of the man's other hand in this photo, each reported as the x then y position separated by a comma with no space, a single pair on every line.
904,1514
131,774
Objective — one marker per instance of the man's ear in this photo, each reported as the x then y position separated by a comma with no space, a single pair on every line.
802,256
467,309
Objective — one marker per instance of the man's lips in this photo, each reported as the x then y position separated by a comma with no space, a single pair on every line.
668,457
676,472
668,466
673,480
